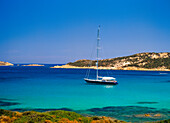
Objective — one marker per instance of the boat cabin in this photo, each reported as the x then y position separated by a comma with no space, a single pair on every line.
108,79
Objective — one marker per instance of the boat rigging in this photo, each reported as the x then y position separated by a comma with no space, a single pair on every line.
100,79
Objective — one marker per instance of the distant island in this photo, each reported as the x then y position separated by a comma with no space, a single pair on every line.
2,63
140,61
33,65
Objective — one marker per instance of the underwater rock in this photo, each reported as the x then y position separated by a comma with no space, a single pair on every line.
5,103
147,102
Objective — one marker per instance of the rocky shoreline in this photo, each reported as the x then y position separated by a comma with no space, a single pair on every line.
110,68
61,116
2,63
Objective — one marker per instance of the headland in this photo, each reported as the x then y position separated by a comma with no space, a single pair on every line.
2,63
149,61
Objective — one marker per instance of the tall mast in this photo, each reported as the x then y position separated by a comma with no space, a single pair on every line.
98,39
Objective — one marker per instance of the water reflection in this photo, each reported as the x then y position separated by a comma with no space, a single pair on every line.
108,86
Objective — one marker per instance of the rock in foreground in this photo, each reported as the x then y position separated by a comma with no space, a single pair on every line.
57,116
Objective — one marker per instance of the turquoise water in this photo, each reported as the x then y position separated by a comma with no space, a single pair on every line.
43,88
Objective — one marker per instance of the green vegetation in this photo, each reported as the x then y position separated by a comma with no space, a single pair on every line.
164,121
69,115
7,113
57,116
155,63
81,63
141,60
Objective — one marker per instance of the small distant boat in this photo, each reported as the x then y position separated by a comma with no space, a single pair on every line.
100,79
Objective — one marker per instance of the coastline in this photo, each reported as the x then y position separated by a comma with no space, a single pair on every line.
53,116
143,112
2,63
62,116
111,68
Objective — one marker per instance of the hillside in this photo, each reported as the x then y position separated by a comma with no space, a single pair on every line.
5,63
149,60
57,116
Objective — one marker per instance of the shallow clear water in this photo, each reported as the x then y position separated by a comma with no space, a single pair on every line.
44,88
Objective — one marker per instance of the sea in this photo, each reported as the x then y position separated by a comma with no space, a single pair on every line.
41,88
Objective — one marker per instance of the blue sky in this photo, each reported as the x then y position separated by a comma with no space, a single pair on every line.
60,31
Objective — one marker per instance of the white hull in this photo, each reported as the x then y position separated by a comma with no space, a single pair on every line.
100,81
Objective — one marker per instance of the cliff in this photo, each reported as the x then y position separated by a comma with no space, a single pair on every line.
5,63
140,61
